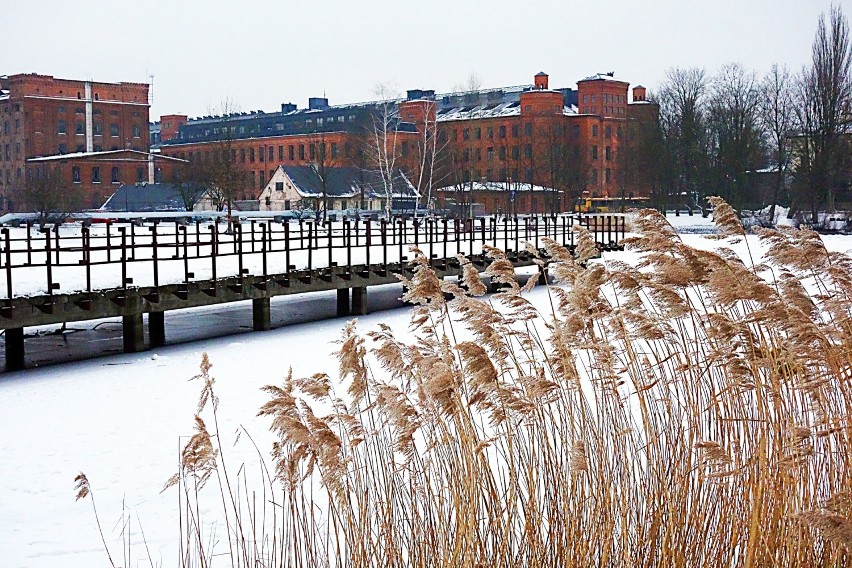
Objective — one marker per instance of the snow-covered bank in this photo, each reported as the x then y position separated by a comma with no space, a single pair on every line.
119,420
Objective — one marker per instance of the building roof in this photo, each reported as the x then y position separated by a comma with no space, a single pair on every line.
488,111
104,154
346,182
154,197
603,77
496,186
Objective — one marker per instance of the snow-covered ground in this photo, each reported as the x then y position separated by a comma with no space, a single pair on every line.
119,420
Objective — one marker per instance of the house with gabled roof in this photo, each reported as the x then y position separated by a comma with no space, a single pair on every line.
337,188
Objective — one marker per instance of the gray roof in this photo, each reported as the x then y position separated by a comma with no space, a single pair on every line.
153,197
347,182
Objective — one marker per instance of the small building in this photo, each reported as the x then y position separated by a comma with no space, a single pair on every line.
498,197
147,197
96,175
339,188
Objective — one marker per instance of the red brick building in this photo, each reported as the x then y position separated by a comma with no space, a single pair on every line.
545,146
87,122
543,150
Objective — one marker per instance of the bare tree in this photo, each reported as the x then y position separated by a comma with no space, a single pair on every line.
323,160
683,125
384,141
428,149
220,172
48,195
777,116
825,93
735,133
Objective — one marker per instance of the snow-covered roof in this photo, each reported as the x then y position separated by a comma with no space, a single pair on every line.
83,155
602,77
496,186
487,111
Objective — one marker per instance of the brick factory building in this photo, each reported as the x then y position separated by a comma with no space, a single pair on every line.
81,137
557,145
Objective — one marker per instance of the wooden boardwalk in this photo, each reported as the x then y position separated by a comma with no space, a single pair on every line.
65,274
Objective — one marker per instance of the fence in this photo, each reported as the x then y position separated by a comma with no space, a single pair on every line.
39,261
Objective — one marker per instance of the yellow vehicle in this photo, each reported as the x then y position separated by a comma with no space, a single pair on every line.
610,204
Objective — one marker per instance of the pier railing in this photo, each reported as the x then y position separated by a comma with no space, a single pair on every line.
73,258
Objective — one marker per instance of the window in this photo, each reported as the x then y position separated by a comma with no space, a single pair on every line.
80,148
96,111
99,128
466,134
262,178
75,174
60,109
312,150
595,176
79,128
98,148
252,178
478,133
301,151
280,153
116,175
489,153
455,134
594,152
63,149
515,131
251,159
607,131
261,154
113,130
502,152
528,128
528,151
242,155
585,98
61,128
279,186
594,130
479,154
291,154
137,131
515,153
490,132
334,149
606,175
96,174
502,132
608,153
270,154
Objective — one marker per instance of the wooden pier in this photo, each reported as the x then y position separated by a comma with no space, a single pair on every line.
128,270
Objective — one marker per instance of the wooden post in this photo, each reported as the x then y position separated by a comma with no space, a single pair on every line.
14,349
133,333
157,328
260,314
359,301
343,302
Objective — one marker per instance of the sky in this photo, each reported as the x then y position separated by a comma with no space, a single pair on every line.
262,54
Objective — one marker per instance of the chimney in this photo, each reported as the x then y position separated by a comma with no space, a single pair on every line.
638,93
541,81
317,103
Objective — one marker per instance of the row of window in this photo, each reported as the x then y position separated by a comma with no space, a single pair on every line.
476,175
97,129
8,176
268,153
606,98
115,174
7,151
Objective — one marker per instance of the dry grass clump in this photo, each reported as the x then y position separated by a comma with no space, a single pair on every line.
690,411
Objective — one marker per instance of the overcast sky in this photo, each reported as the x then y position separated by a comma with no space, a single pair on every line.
261,54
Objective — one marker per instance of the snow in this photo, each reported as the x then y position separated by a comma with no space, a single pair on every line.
119,420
